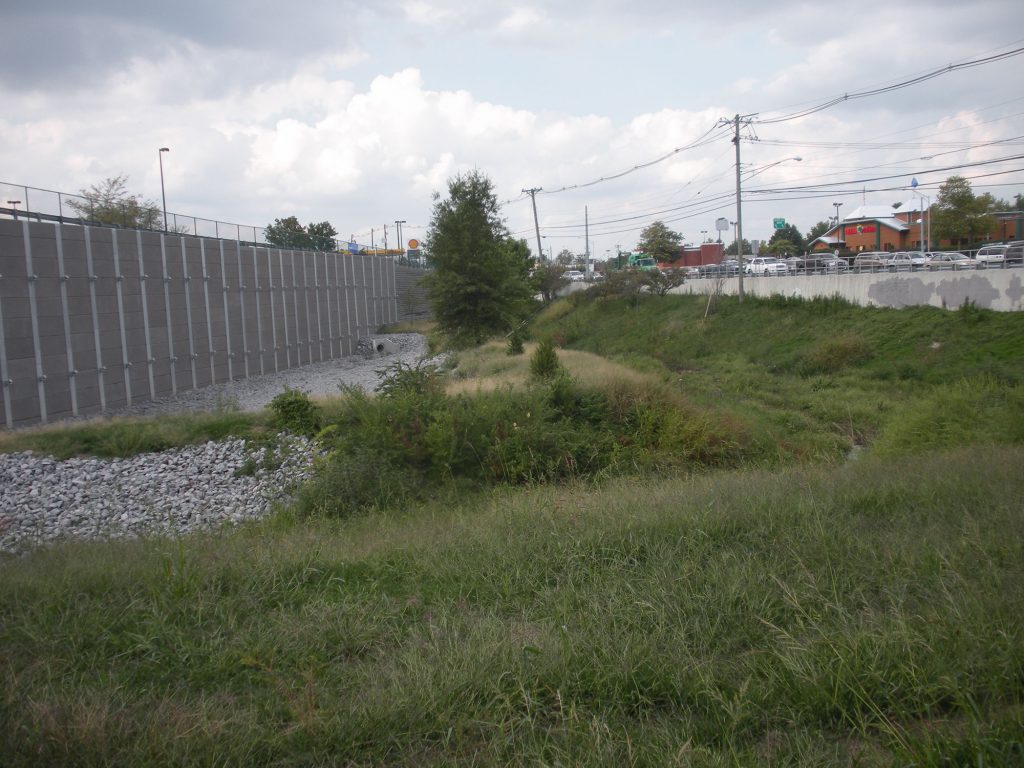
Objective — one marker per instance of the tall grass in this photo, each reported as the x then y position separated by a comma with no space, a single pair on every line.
812,616
120,437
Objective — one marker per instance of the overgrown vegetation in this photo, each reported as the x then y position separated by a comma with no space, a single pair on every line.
815,616
660,555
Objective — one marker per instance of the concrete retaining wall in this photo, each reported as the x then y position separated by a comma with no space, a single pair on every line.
93,318
998,289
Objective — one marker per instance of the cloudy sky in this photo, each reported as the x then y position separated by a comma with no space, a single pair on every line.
357,112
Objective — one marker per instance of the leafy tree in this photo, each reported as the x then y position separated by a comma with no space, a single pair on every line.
958,215
1018,202
731,248
791,235
659,241
660,283
289,233
322,236
782,247
109,202
817,231
480,283
565,258
546,281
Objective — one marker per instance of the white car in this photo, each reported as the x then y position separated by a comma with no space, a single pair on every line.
950,260
574,276
899,261
992,254
766,265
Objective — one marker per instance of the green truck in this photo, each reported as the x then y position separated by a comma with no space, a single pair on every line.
640,262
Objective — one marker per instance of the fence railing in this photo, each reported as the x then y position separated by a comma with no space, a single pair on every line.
39,204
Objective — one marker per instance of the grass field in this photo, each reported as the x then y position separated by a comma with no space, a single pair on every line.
788,605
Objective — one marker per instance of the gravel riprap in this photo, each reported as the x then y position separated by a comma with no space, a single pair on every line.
183,490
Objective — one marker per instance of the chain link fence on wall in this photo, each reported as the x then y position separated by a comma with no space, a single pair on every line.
38,204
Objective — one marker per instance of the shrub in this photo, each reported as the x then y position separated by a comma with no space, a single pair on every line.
295,412
544,362
833,355
424,379
515,344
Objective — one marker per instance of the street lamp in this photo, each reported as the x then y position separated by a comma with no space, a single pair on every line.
840,235
163,195
913,188
14,204
703,236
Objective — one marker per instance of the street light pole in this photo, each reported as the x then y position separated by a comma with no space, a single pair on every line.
840,235
163,195
14,204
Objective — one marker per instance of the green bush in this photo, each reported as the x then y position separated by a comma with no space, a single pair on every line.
515,344
544,362
295,412
833,355
385,451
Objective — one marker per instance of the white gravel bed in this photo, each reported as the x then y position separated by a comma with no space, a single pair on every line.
183,490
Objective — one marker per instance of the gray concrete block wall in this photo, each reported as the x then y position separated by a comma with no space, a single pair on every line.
93,319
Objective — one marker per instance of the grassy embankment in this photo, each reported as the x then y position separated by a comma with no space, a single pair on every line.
766,602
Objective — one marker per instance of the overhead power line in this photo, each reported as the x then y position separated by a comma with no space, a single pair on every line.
894,87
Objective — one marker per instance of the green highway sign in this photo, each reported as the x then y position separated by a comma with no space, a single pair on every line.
779,223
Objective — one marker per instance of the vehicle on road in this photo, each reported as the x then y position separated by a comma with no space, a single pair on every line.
950,260
766,265
574,276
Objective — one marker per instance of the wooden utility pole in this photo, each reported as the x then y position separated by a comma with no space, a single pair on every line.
532,192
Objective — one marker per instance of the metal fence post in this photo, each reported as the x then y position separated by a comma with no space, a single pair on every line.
69,349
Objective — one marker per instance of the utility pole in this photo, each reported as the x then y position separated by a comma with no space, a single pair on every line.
398,234
385,239
739,211
532,192
586,237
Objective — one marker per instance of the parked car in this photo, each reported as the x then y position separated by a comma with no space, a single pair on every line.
899,261
691,272
950,260
766,265
727,268
795,263
834,265
574,276
992,255
1014,252
870,260
920,258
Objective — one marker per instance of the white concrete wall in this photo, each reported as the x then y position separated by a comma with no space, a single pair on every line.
998,289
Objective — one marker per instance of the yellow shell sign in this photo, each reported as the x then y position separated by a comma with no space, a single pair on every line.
414,244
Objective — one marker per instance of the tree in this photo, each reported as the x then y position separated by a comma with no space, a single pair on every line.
660,283
547,279
110,203
322,236
480,283
782,247
289,233
731,248
659,241
817,231
958,215
791,235
565,258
